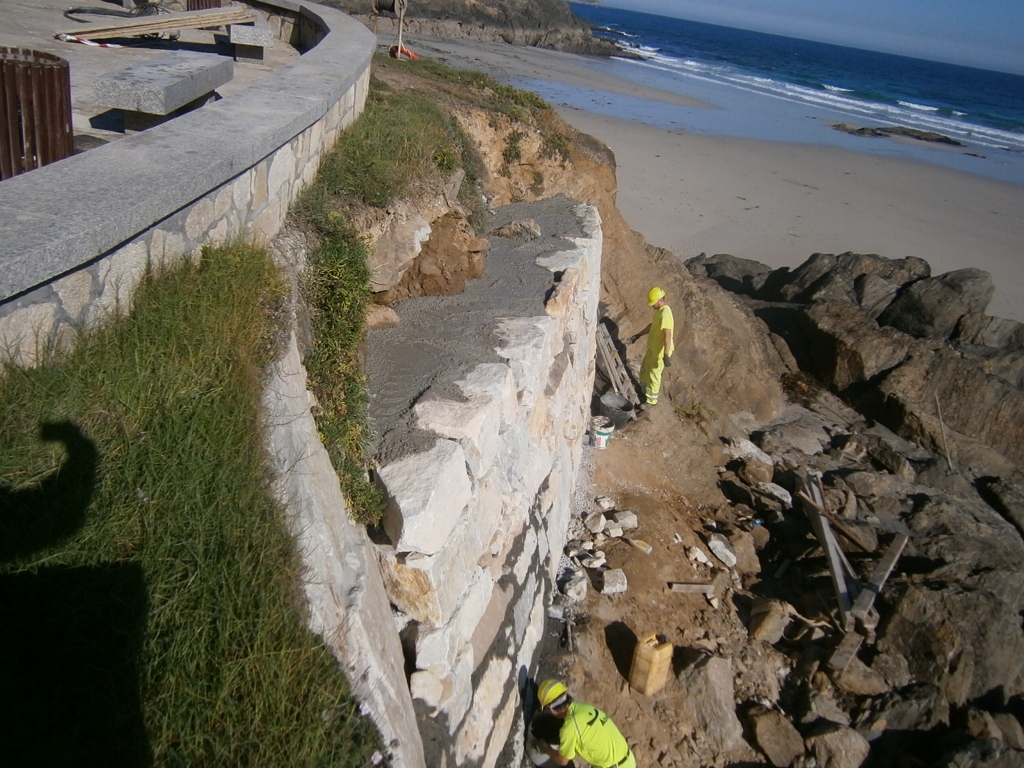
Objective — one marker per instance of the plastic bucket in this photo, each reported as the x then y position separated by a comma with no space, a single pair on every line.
601,429
617,408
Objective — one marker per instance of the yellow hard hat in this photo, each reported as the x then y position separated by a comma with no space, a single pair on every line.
549,692
654,295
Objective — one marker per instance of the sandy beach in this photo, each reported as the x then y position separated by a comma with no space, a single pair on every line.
778,202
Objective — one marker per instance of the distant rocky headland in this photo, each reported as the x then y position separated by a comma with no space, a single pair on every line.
539,23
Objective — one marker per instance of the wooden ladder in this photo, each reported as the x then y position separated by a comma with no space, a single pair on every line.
610,362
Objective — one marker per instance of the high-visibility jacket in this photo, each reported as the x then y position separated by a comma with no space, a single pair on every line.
590,733
661,321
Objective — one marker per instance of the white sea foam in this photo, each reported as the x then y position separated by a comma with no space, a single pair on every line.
836,88
838,100
919,107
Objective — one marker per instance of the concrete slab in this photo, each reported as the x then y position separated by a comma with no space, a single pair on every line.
162,85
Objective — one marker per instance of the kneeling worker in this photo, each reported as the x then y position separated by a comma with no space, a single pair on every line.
586,731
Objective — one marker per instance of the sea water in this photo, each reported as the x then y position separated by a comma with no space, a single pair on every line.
785,89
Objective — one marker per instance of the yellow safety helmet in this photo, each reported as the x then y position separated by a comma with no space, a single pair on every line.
654,295
549,692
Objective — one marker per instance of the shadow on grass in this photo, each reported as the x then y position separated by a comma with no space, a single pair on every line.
50,511
72,635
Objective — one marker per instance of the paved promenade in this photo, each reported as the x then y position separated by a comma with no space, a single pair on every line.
31,24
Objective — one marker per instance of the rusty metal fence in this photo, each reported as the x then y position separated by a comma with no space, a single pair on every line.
35,110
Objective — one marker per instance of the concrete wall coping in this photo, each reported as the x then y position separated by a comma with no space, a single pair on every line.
65,215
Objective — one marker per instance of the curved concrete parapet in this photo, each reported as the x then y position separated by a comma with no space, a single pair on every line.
79,234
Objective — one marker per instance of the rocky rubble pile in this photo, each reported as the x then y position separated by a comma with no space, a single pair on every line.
930,450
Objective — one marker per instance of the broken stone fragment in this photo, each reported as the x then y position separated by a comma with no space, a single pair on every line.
741,448
595,523
778,738
626,520
752,472
604,503
527,228
597,560
837,746
711,701
722,549
614,582
769,619
696,555
575,589
861,680
775,491
613,531
821,706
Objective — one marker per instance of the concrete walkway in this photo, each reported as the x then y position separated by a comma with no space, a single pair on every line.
31,24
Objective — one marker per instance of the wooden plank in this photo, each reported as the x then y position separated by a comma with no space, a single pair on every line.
866,599
148,25
845,651
812,501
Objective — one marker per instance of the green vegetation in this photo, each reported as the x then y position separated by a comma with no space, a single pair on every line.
400,140
149,588
696,412
513,151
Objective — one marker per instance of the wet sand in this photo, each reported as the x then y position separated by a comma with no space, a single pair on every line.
778,202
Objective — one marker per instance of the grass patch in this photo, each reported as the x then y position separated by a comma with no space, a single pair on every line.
399,141
336,285
149,588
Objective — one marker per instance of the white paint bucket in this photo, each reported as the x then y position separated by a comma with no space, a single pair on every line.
601,429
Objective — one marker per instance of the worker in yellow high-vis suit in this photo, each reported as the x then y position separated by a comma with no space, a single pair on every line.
660,346
586,731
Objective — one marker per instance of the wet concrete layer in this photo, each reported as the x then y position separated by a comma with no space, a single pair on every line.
441,338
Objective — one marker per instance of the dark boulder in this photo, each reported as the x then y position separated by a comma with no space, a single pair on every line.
930,308
845,346
742,276
989,331
982,414
864,279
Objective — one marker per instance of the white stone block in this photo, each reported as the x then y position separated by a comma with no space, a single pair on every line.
24,334
471,740
526,343
430,588
427,687
427,495
527,556
614,582
460,691
475,424
492,381
741,448
626,520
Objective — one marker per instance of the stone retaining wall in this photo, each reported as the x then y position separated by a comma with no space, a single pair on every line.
477,521
80,234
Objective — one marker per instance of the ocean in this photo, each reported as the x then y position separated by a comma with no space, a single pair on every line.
785,89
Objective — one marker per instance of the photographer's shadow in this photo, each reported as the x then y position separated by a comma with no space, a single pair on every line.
71,635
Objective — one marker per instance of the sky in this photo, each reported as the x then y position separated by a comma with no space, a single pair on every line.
979,33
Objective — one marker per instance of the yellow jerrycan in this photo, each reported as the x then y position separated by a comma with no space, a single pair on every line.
651,664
